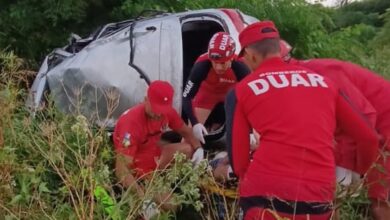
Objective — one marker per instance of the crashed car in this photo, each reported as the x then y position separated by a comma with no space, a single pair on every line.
106,73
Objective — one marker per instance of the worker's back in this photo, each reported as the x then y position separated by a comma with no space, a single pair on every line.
294,111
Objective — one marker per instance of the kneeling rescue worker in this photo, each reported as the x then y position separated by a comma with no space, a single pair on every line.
138,133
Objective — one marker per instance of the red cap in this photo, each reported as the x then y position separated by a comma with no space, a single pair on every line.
160,95
221,47
257,32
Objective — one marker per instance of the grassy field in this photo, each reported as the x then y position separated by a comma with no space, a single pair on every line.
56,166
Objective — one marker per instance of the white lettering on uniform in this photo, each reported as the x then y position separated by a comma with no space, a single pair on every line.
273,81
189,86
260,86
212,42
255,86
316,80
282,72
223,80
224,40
297,80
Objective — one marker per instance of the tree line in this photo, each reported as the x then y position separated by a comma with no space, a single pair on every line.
356,31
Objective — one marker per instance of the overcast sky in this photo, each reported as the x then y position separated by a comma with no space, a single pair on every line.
325,2
329,2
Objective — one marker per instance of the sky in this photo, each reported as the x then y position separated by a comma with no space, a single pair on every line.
324,2
329,2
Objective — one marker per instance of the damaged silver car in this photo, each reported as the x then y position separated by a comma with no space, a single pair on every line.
106,73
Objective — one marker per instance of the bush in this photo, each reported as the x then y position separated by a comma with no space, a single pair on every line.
60,166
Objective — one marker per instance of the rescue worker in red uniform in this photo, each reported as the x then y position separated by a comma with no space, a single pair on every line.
371,94
211,77
138,132
295,110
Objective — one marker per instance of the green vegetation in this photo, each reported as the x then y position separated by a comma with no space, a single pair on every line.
33,28
357,32
55,166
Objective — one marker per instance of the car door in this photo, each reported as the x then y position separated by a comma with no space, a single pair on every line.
171,57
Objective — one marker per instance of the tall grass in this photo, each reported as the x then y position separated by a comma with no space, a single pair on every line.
56,166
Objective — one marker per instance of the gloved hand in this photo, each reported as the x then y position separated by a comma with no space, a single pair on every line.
252,139
149,209
197,156
230,174
253,142
346,177
199,130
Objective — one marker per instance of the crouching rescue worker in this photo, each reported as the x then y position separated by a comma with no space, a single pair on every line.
371,94
211,77
138,132
295,110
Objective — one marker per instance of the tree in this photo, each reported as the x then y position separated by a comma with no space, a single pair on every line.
32,27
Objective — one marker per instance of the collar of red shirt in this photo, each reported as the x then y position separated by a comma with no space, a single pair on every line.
272,62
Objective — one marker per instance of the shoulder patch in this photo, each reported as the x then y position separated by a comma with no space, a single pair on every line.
164,128
126,140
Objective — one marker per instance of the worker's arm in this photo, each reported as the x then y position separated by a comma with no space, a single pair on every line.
177,124
356,97
198,73
354,123
186,133
124,175
237,134
126,145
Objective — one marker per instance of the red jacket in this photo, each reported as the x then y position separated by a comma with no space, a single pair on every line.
369,92
295,111
203,82
373,87
136,135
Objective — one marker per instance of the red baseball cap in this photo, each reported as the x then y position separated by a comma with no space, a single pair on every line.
257,32
221,47
160,95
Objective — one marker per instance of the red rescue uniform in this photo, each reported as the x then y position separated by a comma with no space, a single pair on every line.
214,88
205,88
295,111
371,94
137,135
345,151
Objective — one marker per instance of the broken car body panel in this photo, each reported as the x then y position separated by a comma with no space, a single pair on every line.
92,76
